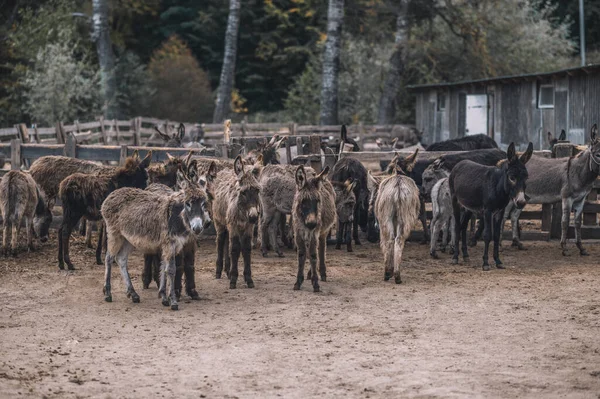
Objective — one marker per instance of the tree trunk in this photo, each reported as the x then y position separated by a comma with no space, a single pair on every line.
391,87
228,70
331,63
106,57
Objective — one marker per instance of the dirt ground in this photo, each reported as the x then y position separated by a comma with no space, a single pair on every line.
447,331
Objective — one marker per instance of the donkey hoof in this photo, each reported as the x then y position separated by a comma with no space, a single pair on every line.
565,252
500,266
297,287
194,294
146,286
232,285
265,254
337,246
583,252
472,243
317,289
349,250
108,298
135,298
455,261
324,277
174,306
434,255
280,254
466,259
250,284
165,302
218,276
451,251
397,280
386,277
14,254
486,268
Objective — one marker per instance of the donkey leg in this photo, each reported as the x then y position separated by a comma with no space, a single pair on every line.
339,235
221,237
190,271
452,228
387,247
265,222
178,275
312,251
322,249
355,225
61,264
147,273
457,228
246,241
121,259
273,234
435,231
171,270
88,235
30,234
464,224
101,238
423,218
516,232
14,239
567,205
578,207
108,265
235,247
487,236
162,289
301,245
398,249
82,227
6,228
285,239
497,220
348,238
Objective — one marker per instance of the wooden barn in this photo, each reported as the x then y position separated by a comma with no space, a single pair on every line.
518,108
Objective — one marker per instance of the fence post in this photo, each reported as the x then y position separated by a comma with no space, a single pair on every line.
315,151
546,217
36,134
299,146
244,126
102,130
117,130
138,130
70,146
23,132
288,152
123,155
590,218
15,154
60,133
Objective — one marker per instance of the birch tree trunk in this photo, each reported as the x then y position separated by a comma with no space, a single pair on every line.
331,63
391,87
228,70
106,57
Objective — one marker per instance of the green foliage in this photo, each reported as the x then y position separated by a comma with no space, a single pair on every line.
61,87
182,89
134,86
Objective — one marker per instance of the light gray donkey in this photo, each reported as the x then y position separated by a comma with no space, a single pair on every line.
443,215
568,180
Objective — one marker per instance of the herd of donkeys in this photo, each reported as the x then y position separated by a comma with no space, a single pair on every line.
160,208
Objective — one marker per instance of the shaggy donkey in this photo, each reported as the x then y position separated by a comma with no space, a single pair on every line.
152,222
566,180
350,168
487,189
21,198
313,215
467,143
397,209
235,212
345,203
268,150
443,215
82,196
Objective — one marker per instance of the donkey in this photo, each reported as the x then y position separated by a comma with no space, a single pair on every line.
467,143
344,139
350,168
269,151
487,189
82,196
552,141
21,198
152,222
443,215
313,215
566,180
173,140
235,212
345,203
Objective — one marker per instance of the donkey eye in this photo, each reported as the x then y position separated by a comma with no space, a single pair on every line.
512,179
188,206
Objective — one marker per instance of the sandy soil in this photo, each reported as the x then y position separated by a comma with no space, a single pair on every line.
447,331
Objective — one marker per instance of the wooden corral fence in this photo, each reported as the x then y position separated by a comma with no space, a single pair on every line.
547,216
140,131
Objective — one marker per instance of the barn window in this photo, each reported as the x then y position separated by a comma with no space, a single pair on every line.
441,101
546,96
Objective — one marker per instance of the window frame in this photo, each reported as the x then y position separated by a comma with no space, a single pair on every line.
539,99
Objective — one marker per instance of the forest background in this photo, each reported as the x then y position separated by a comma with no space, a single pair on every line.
168,56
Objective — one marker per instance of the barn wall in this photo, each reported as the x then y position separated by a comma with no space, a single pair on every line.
561,105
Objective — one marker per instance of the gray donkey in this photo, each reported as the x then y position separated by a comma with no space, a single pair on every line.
313,215
152,222
21,198
568,180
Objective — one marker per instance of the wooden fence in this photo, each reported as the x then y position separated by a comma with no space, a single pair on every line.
140,131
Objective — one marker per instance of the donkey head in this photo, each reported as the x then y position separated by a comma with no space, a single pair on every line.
248,190
346,140
594,149
404,165
515,174
42,217
196,206
309,196
165,173
135,171
553,140
345,200
175,139
432,175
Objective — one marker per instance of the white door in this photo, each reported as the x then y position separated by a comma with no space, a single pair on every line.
476,114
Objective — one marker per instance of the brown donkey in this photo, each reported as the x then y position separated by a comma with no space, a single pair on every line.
397,210
21,198
152,222
313,215
235,213
83,195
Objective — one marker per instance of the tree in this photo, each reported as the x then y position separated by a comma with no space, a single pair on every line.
331,63
393,80
228,70
106,57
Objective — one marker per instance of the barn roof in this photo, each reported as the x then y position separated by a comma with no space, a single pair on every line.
592,68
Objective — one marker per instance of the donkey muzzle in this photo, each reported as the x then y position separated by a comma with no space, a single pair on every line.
520,200
253,215
197,225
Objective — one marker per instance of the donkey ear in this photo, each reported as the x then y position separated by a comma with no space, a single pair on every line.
188,158
135,155
170,157
550,137
212,170
238,166
394,141
260,160
563,135
350,187
182,180
181,131
594,133
161,134
280,142
300,177
146,161
411,160
527,154
344,134
511,154
323,173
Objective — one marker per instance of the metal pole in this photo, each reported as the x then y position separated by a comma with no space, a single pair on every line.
581,33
